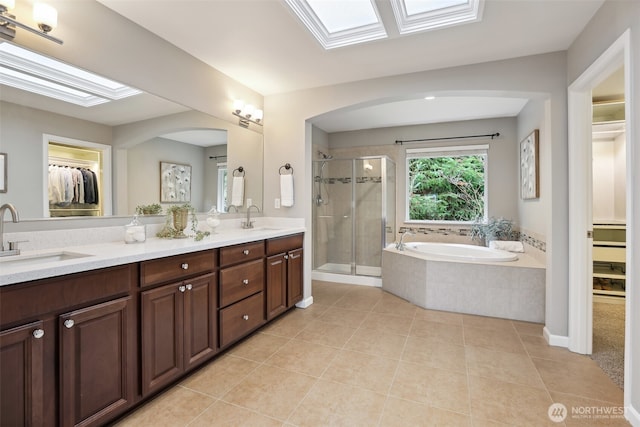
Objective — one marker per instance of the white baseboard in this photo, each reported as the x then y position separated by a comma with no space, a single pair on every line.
632,415
347,279
305,302
555,340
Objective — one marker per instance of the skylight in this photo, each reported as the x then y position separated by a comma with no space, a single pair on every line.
422,15
36,73
340,23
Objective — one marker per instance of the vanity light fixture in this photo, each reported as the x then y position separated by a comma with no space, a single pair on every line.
247,113
45,16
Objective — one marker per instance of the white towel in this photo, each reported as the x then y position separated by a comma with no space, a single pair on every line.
286,190
237,191
507,245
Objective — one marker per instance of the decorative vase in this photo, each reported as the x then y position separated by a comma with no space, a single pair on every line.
180,218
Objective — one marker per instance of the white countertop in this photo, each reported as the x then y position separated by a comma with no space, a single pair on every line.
110,254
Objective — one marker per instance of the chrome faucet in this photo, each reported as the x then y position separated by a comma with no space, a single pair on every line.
14,216
400,245
248,223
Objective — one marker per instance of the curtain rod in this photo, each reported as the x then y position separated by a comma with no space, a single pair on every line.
491,135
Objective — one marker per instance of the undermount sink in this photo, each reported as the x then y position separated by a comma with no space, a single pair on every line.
21,260
264,229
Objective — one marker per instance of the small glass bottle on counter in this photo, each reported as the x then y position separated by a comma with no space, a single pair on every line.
134,232
213,219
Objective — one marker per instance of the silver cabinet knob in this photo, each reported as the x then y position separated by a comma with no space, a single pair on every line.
69,323
189,286
246,252
182,288
38,333
184,266
245,317
245,282
286,257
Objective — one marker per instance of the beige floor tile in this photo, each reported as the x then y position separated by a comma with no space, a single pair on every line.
301,356
435,387
329,334
495,339
363,301
439,316
288,325
493,323
508,403
582,412
527,328
326,294
333,404
343,317
580,379
271,391
259,347
537,347
438,331
391,304
434,353
361,370
175,407
222,414
509,367
314,311
387,323
398,412
220,376
376,343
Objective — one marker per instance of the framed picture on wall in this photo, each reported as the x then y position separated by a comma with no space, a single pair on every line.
175,182
530,167
3,172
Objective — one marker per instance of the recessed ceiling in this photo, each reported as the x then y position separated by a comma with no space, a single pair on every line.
200,137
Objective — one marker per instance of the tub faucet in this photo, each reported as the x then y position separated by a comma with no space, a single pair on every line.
14,216
248,223
400,244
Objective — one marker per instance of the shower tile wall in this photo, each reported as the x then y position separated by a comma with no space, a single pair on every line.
368,211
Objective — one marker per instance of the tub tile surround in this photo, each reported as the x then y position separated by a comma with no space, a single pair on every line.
475,381
513,290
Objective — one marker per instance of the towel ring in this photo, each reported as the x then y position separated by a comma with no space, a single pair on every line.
287,166
240,170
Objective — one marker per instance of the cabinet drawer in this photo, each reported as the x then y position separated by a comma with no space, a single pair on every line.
176,267
241,253
22,302
240,281
241,318
284,244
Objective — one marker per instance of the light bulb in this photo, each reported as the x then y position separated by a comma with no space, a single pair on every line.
46,16
7,4
248,111
238,105
257,115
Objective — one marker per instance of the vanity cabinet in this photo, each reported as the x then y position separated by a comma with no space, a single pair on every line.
68,349
178,320
284,274
22,375
241,308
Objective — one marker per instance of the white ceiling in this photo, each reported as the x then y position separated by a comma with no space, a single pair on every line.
262,44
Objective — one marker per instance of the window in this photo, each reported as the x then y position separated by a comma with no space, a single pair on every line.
221,202
447,183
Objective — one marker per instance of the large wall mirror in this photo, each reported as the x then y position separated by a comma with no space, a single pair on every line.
142,134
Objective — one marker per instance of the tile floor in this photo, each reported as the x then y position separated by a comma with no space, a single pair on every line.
362,357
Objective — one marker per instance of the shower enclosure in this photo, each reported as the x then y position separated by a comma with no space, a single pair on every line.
354,209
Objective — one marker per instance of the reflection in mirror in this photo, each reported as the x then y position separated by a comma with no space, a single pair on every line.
130,127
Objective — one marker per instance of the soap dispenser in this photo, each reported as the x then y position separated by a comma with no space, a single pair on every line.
134,232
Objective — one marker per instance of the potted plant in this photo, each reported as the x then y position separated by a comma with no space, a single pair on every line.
493,229
153,209
179,216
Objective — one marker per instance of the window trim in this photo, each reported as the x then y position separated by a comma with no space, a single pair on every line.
443,151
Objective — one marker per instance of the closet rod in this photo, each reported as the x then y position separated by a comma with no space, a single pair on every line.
63,161
490,135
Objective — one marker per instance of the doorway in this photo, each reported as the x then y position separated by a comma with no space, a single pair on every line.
581,213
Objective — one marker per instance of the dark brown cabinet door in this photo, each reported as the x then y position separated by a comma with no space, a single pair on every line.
162,329
97,362
200,320
294,277
21,375
276,285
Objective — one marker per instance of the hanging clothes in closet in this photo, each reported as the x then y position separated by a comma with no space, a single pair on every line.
68,185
